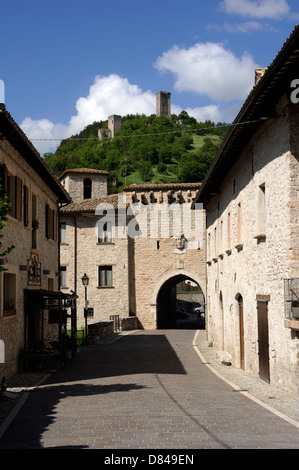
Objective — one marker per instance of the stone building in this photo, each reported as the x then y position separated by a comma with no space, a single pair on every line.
163,104
130,248
31,269
163,108
251,200
169,249
114,124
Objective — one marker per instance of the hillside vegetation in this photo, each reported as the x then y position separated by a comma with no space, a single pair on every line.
145,150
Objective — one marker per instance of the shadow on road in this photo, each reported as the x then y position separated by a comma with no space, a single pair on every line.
149,353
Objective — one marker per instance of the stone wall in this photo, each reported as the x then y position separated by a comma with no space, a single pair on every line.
99,331
142,260
16,263
158,257
85,256
73,182
254,259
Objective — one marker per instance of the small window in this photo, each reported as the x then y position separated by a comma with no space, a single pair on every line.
239,222
262,209
26,206
229,240
63,281
105,276
63,232
87,188
51,223
105,232
9,294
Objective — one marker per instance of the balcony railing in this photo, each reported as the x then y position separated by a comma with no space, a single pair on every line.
291,298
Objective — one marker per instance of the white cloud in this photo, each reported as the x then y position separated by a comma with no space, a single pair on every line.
243,27
272,9
115,95
111,95
46,131
107,96
204,113
209,69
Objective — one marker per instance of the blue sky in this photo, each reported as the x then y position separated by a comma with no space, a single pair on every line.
68,63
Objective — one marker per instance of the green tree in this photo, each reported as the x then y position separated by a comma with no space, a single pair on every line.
4,209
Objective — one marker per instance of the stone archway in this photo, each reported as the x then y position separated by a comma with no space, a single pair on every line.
164,298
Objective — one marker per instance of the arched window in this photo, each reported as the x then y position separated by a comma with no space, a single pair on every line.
87,185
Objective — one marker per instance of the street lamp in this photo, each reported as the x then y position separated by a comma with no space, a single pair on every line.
85,282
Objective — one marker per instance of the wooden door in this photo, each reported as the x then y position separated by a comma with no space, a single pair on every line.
263,341
241,326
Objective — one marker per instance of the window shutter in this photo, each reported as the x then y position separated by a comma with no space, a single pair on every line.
54,225
47,217
4,180
26,205
18,196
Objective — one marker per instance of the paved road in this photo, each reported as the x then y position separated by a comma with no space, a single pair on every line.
148,390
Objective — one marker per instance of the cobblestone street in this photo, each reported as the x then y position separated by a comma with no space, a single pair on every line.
151,390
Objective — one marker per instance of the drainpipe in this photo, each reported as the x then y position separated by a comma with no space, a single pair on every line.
75,254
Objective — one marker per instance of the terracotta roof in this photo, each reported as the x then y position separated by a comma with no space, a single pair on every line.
11,131
84,170
88,206
156,187
258,106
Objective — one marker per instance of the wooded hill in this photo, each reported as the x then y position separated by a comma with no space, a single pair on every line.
145,150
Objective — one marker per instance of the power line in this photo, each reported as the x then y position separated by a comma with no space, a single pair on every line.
151,135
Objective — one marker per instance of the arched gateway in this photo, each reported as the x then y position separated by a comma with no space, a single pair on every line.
164,297
132,272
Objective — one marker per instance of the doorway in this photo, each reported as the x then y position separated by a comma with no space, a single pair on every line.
241,331
263,341
177,302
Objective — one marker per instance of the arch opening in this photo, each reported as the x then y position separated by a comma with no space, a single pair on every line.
180,304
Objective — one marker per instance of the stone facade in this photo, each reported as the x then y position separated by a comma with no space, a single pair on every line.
91,182
114,124
252,234
163,104
159,259
140,262
33,192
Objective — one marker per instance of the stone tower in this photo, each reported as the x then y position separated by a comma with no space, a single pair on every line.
114,124
163,106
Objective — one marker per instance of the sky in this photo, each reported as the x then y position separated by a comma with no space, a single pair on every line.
68,63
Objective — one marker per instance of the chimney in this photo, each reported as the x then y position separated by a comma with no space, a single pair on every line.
259,73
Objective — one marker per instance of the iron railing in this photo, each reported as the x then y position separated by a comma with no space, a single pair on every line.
291,298
116,322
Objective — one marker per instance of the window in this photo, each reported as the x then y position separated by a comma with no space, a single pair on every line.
229,232
105,276
51,223
262,210
13,190
87,188
221,239
50,284
63,232
26,205
209,247
105,232
9,294
239,225
215,243
34,221
63,280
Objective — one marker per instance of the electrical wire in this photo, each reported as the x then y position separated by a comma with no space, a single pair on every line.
150,135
